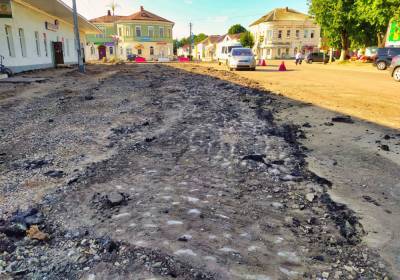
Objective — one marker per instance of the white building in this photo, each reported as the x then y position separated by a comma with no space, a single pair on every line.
37,34
225,40
283,32
184,51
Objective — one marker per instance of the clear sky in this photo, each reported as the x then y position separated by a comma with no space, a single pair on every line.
212,17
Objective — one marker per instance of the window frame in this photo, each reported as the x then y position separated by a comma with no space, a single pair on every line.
163,32
138,28
151,50
46,51
22,42
280,33
150,28
10,40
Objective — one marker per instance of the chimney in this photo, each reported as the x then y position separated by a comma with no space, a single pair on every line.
109,13
141,8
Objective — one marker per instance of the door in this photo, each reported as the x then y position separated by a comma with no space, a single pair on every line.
102,52
58,53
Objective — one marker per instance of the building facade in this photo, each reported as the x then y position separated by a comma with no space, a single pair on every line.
208,48
283,32
39,34
184,51
142,34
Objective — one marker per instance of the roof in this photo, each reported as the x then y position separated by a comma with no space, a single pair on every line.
141,15
61,11
212,39
106,19
235,36
282,14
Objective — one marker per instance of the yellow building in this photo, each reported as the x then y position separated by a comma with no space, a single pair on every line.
283,32
143,34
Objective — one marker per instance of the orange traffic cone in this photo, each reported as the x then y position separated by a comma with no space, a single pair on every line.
263,63
282,67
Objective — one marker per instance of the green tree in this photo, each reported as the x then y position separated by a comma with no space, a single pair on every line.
337,20
236,29
247,40
200,37
374,16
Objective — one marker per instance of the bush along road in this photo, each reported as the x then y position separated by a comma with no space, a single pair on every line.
138,172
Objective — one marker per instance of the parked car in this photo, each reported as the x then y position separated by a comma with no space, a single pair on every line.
395,68
241,58
317,57
384,57
225,50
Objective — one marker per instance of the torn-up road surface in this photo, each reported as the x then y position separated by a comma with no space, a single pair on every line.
153,172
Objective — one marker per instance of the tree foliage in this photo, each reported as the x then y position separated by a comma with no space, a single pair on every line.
354,23
375,15
247,40
186,41
199,37
236,29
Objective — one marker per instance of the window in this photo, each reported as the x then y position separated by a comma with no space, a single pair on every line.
67,43
127,31
269,34
10,41
120,31
305,33
151,50
121,50
128,51
151,31
22,41
161,32
111,50
37,43
288,34
138,31
46,53
268,51
280,34
139,52
312,34
279,52
169,34
287,51
92,50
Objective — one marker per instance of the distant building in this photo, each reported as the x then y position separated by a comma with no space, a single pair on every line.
283,32
39,34
143,34
225,40
206,50
184,51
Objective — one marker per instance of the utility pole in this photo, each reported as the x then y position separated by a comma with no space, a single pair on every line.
81,66
191,41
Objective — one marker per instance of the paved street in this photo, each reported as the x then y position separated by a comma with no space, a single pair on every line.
143,171
357,90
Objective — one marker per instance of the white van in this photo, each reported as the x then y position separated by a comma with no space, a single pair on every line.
224,50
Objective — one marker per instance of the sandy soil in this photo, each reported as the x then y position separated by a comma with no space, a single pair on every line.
142,171
358,90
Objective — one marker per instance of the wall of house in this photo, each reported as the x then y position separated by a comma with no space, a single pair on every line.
32,21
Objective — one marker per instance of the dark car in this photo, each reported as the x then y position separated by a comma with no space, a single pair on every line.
384,57
395,68
317,57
